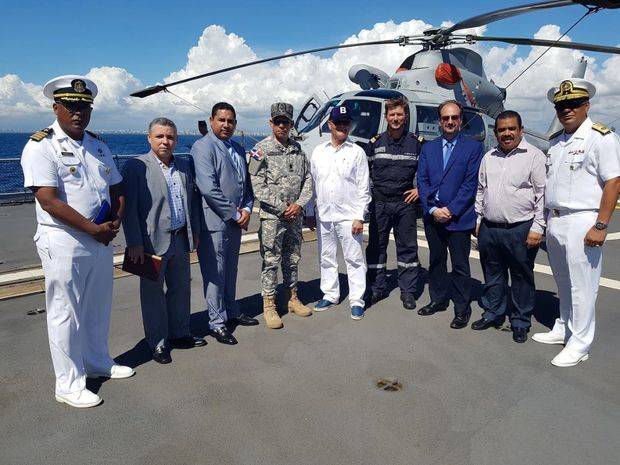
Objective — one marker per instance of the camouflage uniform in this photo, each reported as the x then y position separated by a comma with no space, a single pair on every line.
280,177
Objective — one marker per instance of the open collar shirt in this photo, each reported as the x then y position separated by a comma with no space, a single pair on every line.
511,187
341,182
175,193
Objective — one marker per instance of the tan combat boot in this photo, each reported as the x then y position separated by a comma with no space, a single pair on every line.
272,319
295,305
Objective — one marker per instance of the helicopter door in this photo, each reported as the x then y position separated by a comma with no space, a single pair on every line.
308,110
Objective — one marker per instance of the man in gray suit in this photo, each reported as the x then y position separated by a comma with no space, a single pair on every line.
222,178
163,218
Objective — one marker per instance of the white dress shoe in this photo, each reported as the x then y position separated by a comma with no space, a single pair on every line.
548,338
80,399
116,372
568,358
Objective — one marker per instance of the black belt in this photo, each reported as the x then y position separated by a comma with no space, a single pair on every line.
492,224
388,198
179,231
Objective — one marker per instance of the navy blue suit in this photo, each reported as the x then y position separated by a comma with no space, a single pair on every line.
455,188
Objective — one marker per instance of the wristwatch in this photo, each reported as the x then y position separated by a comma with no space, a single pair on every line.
600,226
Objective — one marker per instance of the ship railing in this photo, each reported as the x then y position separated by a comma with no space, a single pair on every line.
12,189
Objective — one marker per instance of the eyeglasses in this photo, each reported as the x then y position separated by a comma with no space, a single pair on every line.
76,107
450,117
281,121
568,105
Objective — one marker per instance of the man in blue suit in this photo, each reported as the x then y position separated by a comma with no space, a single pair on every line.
447,181
222,178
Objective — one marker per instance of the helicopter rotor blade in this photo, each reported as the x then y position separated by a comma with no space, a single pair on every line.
504,13
162,87
546,43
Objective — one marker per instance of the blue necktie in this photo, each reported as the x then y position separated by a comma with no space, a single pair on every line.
447,151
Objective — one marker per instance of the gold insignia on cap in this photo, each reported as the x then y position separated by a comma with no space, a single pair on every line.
78,85
568,91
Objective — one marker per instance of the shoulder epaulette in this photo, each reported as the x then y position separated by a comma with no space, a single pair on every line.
96,136
374,139
42,134
556,134
600,127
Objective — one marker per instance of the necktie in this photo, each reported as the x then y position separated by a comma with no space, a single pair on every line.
447,151
235,158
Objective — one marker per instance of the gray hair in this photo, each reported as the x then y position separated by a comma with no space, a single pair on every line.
161,121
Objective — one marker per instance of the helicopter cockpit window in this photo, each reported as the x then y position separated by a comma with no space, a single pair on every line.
428,123
366,116
319,115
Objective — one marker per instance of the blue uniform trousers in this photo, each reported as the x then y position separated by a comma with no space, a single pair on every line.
385,216
503,250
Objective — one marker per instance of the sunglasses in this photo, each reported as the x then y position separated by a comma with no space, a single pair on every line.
76,107
450,117
568,105
281,122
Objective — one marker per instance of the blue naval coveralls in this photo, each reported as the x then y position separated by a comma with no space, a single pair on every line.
393,166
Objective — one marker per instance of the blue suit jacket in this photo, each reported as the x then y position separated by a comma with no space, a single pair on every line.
456,184
217,181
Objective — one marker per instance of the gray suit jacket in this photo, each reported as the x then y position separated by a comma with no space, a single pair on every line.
146,220
216,178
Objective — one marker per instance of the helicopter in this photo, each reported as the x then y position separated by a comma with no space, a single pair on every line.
435,73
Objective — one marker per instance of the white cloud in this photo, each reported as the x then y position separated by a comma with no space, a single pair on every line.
253,89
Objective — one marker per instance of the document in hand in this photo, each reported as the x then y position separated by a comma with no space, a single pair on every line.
104,213
149,269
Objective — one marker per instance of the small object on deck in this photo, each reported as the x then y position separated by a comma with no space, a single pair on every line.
35,311
389,384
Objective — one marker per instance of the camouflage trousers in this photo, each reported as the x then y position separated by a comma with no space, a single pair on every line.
280,245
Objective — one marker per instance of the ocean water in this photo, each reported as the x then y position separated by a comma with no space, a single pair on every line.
12,144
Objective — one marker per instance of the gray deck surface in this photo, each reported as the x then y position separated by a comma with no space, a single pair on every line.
306,394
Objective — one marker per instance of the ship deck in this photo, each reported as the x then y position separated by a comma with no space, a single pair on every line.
307,393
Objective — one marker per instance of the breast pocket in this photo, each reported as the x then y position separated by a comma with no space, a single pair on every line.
70,170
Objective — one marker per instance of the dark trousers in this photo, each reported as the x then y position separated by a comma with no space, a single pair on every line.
504,250
385,216
440,241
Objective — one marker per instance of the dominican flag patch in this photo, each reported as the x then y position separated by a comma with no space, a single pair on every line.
256,154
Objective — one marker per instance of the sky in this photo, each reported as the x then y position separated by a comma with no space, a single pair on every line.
125,46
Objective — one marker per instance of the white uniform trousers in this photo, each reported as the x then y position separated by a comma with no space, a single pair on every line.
78,296
577,272
330,235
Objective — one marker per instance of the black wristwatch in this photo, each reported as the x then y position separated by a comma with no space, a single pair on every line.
600,226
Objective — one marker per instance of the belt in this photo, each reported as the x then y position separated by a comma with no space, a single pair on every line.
183,228
492,224
564,212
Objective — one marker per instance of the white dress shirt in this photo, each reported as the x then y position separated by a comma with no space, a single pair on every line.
341,182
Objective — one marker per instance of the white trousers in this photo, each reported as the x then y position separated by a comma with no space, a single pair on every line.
577,272
78,297
330,234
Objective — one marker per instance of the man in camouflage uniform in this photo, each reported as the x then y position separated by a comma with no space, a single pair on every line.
280,175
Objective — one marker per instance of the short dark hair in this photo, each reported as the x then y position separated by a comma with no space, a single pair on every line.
450,102
507,114
161,121
223,106
397,102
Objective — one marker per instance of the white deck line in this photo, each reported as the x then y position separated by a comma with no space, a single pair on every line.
37,273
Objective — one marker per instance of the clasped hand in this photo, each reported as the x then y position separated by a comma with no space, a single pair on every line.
442,215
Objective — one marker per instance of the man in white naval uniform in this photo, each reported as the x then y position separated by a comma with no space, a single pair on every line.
583,181
79,204
342,190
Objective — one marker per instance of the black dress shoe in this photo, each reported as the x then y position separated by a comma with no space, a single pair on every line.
433,307
187,342
377,297
224,336
244,320
519,335
161,354
460,321
483,323
408,300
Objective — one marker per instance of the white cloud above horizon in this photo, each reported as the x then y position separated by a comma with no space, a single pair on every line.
252,90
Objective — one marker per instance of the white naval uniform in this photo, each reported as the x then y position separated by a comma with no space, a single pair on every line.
342,194
77,268
578,167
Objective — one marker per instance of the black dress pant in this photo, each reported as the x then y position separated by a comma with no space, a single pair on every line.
503,250
440,241
401,217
